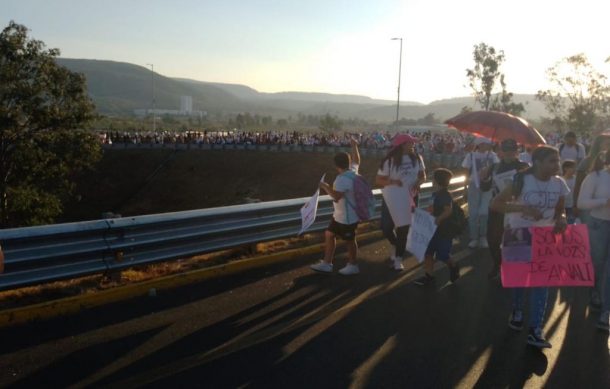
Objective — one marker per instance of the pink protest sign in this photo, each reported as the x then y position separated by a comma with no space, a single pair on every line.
556,260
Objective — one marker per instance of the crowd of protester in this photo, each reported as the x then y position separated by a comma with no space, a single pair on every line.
429,141
559,185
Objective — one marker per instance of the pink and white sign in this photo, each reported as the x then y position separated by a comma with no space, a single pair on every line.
556,260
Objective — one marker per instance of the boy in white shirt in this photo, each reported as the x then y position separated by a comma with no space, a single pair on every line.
345,220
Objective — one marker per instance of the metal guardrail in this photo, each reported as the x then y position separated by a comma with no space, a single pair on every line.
449,159
35,255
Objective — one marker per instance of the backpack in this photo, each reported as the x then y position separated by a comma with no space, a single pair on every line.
485,186
365,201
518,183
456,223
562,145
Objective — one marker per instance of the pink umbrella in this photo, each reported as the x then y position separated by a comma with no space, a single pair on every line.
497,126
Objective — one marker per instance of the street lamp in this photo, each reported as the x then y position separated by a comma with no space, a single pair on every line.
152,78
399,68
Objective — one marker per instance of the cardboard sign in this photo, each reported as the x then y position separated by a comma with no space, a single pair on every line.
505,179
517,245
421,232
556,260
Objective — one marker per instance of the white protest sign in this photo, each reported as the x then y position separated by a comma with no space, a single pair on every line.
421,232
309,210
505,179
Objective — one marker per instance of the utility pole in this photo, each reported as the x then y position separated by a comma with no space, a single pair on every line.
399,71
152,78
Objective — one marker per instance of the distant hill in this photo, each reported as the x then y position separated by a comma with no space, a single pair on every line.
119,88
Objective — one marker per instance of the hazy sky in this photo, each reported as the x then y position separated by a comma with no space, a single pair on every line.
324,45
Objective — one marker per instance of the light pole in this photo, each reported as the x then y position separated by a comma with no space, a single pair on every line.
399,69
152,78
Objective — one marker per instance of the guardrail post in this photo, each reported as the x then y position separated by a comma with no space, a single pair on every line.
113,275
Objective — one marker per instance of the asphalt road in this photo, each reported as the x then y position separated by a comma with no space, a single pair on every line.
287,327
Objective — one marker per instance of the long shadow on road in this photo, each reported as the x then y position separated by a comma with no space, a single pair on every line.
369,333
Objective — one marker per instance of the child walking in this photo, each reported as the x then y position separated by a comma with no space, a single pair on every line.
344,221
440,245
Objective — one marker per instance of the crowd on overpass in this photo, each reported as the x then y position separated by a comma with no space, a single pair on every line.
428,141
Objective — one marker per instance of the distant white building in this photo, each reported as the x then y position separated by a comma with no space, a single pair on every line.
186,104
186,109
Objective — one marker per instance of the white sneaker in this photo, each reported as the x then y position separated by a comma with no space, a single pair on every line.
349,270
397,264
483,243
473,244
322,267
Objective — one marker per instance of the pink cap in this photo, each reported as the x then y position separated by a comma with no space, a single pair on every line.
403,138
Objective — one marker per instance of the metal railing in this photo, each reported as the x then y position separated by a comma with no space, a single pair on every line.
35,255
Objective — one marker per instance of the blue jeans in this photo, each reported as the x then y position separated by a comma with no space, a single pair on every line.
478,205
538,297
584,216
599,239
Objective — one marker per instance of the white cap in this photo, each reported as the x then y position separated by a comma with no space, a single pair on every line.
482,140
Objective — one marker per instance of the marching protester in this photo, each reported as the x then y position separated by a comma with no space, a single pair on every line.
496,176
571,149
400,174
344,220
600,143
479,195
526,155
595,196
568,168
439,247
535,198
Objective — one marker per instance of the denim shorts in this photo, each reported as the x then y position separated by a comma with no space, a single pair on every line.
441,247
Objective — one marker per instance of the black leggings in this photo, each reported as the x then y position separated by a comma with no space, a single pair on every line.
401,240
495,230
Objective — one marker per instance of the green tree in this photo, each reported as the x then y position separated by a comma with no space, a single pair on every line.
485,78
428,120
330,123
43,108
579,96
503,101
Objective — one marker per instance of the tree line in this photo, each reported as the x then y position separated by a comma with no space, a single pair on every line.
577,99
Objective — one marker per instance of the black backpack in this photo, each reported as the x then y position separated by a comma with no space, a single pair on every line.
456,223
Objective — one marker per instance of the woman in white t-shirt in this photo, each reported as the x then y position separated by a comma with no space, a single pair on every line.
400,174
595,196
478,195
535,198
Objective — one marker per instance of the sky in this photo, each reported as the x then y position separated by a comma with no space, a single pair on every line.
330,46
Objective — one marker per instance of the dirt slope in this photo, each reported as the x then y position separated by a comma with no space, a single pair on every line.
136,182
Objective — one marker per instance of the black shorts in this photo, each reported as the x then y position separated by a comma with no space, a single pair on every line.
343,231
